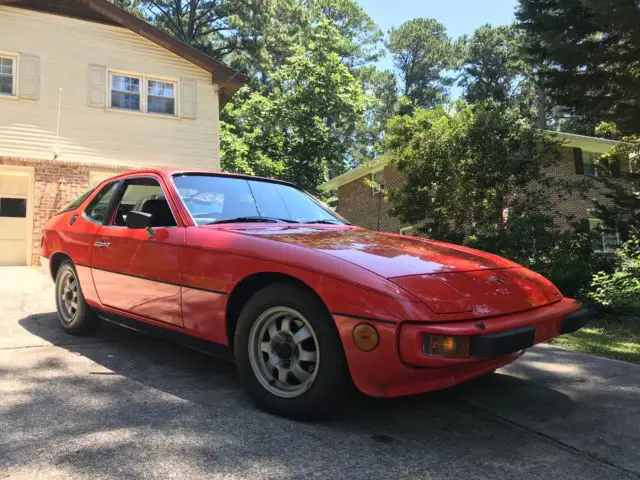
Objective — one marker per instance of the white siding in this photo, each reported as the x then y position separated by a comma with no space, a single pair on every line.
65,48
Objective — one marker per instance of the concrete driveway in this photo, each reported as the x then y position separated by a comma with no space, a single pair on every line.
123,405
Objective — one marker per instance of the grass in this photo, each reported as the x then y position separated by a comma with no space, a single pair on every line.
606,336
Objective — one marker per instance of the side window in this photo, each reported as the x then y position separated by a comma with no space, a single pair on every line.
77,202
145,195
97,209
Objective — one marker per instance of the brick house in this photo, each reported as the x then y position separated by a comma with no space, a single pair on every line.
360,191
87,91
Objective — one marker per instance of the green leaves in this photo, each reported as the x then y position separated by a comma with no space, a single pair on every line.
473,175
422,52
586,53
620,290
300,128
493,68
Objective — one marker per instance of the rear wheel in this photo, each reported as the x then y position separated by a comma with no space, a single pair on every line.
75,316
289,354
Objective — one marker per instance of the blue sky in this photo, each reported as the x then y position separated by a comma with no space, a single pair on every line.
459,16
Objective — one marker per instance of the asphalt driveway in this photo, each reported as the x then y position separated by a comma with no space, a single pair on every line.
123,405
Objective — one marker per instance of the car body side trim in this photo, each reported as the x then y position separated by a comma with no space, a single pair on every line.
154,280
204,346
360,317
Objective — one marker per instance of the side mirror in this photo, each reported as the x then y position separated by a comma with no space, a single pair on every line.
139,220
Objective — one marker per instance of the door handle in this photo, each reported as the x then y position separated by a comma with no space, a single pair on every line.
101,244
73,219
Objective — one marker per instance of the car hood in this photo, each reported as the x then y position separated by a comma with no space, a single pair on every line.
384,254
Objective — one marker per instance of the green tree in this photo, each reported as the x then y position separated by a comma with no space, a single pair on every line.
422,53
301,128
302,117
474,175
493,68
380,103
268,31
360,38
587,56
203,24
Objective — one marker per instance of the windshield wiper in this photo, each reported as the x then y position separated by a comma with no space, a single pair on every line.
253,219
329,222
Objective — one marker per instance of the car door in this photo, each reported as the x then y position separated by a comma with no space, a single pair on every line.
139,271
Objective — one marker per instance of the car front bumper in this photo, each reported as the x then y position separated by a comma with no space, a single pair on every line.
399,366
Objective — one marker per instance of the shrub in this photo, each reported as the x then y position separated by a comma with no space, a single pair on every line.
619,291
570,263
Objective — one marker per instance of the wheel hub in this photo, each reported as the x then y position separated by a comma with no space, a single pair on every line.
284,350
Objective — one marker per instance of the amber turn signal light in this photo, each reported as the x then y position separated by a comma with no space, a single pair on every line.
366,337
446,346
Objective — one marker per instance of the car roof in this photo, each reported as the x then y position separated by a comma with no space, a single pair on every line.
168,172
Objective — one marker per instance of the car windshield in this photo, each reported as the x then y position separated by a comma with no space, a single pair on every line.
219,199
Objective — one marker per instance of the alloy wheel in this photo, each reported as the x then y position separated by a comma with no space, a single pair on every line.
68,297
284,352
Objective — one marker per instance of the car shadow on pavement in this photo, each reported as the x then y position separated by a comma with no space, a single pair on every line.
141,357
125,388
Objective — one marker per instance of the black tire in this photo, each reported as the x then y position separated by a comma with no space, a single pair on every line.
79,321
332,385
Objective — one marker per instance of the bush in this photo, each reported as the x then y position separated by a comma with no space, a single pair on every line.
570,263
619,291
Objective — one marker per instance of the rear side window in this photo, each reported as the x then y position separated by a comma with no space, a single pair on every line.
99,206
77,202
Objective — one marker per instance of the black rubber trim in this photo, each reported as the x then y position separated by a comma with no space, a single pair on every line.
501,343
204,346
576,320
155,280
369,319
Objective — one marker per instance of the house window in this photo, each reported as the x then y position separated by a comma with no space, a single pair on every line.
590,163
161,97
406,230
13,207
605,238
139,93
125,92
377,182
7,75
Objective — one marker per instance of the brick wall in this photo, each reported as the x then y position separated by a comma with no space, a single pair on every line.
359,205
56,184
574,206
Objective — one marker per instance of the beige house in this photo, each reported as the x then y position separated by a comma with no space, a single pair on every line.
361,199
86,91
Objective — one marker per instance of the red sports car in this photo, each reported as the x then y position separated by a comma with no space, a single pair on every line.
308,305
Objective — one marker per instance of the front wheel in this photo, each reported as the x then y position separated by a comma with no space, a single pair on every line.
75,316
289,354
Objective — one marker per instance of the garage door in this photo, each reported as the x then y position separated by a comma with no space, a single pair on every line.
14,191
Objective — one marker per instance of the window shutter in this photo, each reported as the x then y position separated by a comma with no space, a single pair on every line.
188,100
97,86
29,76
577,157
623,229
584,225
615,167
